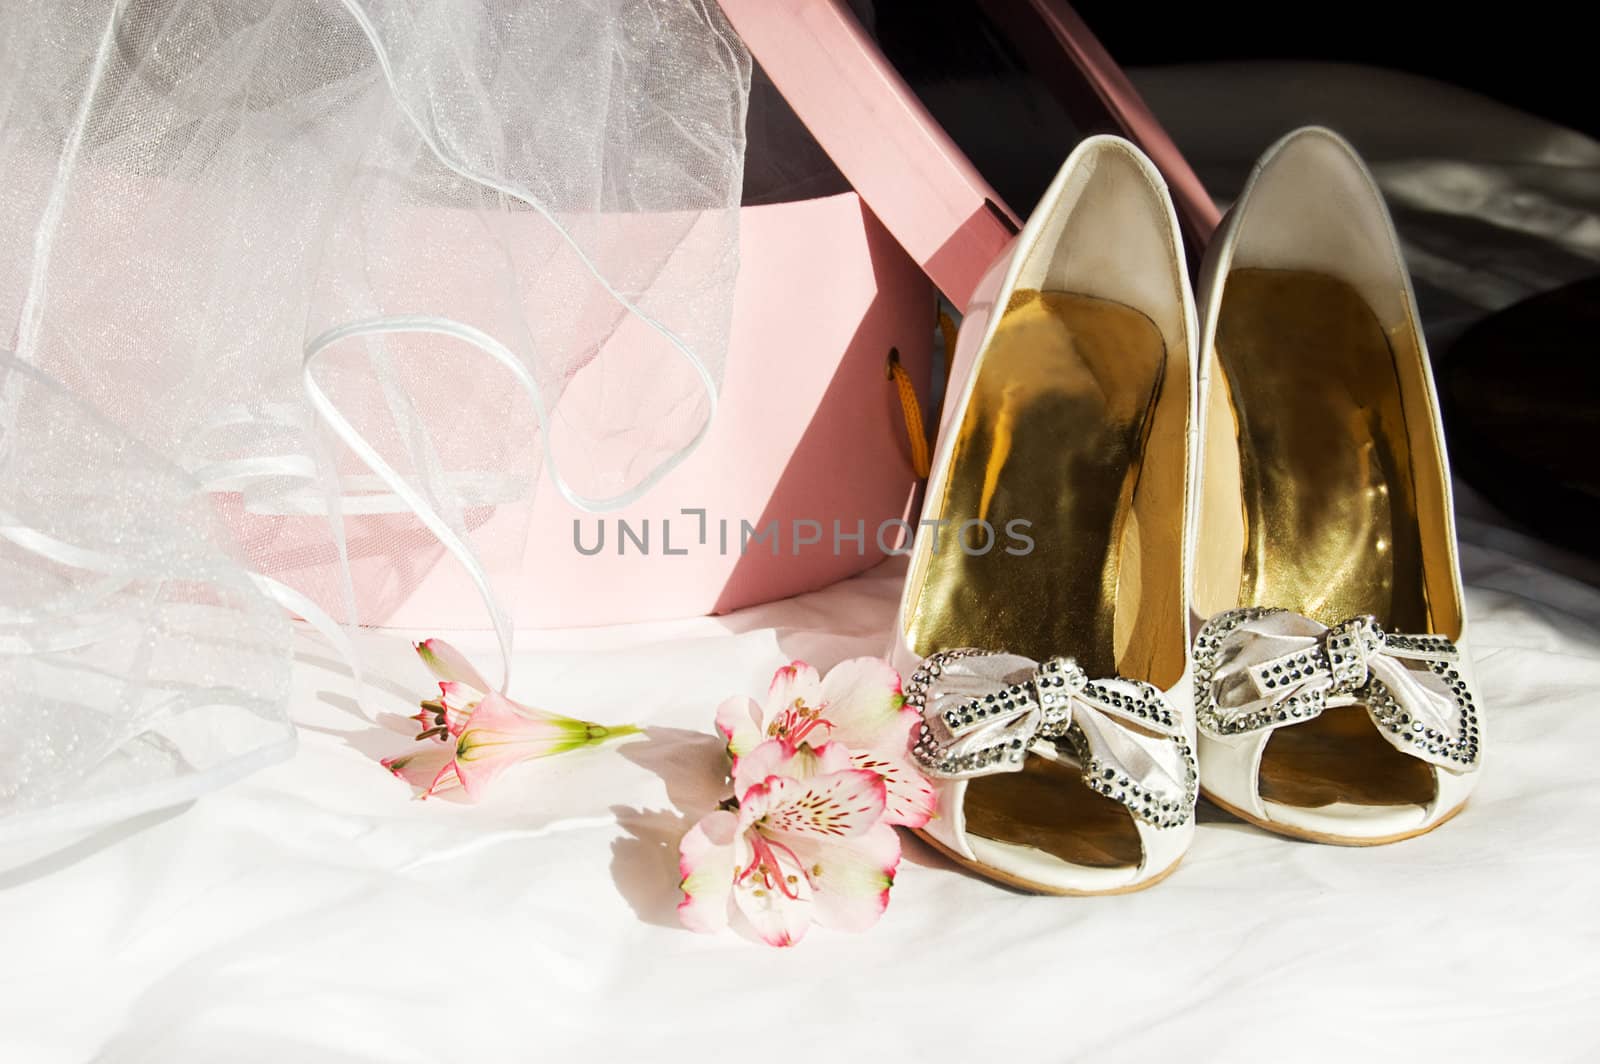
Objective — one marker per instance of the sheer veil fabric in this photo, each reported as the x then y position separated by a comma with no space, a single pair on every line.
292,281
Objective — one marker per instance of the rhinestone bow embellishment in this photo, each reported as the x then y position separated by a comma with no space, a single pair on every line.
1258,669
982,712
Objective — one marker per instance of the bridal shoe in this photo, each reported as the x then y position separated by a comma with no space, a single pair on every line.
1052,667
1333,685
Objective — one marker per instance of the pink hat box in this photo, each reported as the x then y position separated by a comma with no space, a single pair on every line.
809,433
808,429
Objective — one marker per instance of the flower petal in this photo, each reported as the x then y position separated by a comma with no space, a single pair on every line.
839,805
430,768
862,699
850,880
739,721
449,664
795,684
910,798
706,858
779,914
448,779
500,733
777,758
459,700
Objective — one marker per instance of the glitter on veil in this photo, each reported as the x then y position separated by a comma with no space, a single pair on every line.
301,290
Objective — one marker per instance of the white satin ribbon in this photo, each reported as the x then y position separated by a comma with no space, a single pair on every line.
984,712
1259,669
31,635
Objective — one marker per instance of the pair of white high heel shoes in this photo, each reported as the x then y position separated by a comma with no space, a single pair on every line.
1243,578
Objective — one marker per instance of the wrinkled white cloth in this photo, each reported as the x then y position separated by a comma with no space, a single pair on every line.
313,913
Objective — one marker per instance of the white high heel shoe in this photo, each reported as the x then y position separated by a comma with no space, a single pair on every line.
1333,682
1065,450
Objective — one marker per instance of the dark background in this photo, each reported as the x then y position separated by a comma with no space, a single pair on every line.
1539,56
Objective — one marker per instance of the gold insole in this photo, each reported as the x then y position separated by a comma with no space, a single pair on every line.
1339,756
1330,507
1053,435
1048,806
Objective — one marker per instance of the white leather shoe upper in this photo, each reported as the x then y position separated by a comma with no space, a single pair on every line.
1105,228
1311,205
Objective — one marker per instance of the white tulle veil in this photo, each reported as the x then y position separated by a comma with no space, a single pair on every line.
292,282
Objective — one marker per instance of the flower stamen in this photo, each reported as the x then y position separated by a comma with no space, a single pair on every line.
797,721
765,861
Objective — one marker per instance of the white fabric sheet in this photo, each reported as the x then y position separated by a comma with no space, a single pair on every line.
314,914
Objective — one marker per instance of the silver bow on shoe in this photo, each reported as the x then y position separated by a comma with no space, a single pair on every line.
982,712
1258,669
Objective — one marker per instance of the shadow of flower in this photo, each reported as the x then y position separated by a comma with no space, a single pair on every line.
644,862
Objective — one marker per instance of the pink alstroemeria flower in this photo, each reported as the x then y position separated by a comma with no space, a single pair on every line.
461,688
501,733
481,733
808,841
858,705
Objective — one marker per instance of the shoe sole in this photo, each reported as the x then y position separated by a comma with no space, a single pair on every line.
1307,835
1017,883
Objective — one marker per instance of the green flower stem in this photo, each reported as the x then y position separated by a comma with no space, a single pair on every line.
603,733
